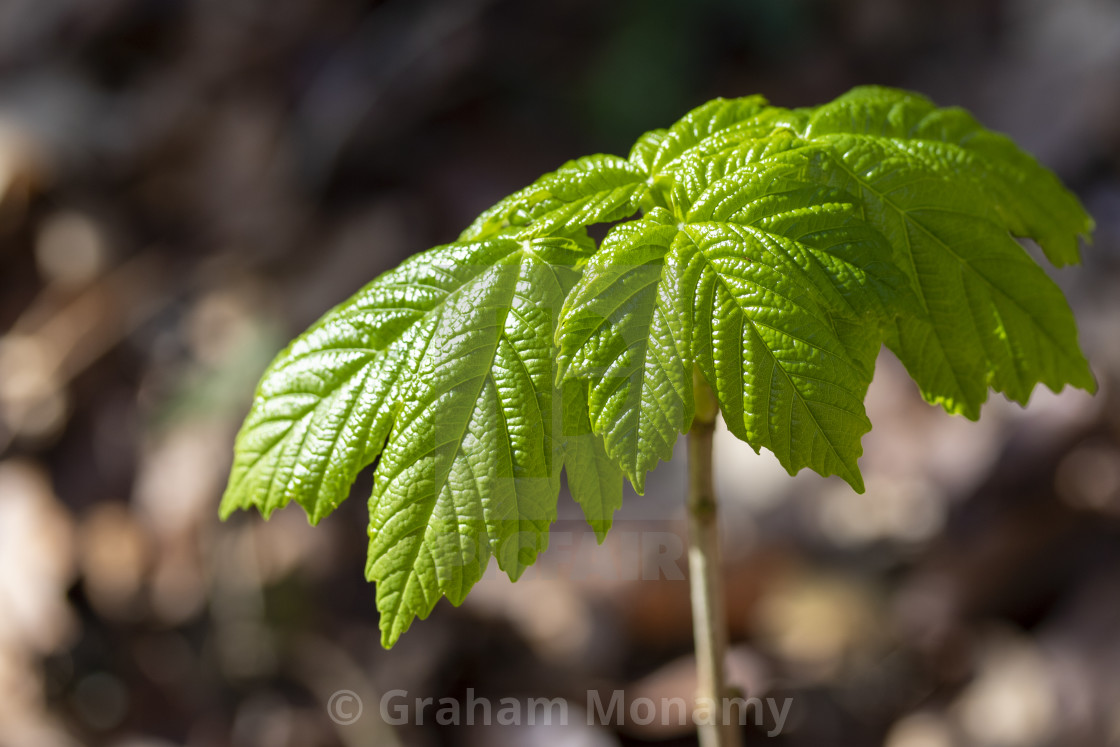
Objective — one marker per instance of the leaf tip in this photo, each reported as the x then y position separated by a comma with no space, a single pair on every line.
854,478
232,500
393,622
389,637
600,528
638,481
225,510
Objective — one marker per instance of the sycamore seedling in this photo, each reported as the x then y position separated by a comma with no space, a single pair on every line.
760,254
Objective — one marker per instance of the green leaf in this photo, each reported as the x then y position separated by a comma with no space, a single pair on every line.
588,190
704,123
451,358
765,285
626,336
324,407
645,150
594,479
776,252
468,468
1029,198
992,316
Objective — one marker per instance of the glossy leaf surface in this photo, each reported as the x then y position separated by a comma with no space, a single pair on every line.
774,251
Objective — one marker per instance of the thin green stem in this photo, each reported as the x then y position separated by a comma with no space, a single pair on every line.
708,622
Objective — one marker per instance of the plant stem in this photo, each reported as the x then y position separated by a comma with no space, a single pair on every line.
708,622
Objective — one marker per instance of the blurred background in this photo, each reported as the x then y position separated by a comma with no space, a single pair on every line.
185,184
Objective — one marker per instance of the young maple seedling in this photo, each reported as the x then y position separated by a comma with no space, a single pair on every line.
760,259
